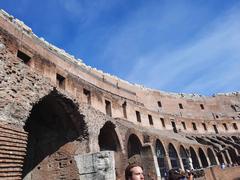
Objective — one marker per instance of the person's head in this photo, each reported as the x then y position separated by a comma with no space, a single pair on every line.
134,172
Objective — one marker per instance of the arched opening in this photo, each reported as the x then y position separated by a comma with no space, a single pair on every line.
161,158
107,138
173,157
134,148
203,158
226,157
220,157
195,161
211,157
53,125
233,155
184,158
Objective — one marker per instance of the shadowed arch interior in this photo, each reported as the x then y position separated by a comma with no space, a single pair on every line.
173,157
107,138
134,145
54,121
161,158
195,162
203,158
211,157
184,157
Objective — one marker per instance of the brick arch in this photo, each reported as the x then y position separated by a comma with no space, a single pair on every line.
203,157
134,145
136,133
184,156
173,156
194,158
56,130
161,157
211,157
108,138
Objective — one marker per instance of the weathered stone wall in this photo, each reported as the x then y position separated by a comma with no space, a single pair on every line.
53,108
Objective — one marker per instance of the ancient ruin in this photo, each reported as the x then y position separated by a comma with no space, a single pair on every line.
61,119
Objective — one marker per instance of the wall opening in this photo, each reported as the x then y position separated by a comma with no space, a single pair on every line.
124,108
194,157
180,105
60,81
150,119
220,157
226,157
184,158
203,158
194,126
215,129
108,108
211,157
107,138
204,126
161,158
233,156
87,95
174,126
201,106
24,57
225,126
235,126
53,124
159,104
184,125
173,157
138,116
134,147
163,123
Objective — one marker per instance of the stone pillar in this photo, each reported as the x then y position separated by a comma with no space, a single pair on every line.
148,163
99,166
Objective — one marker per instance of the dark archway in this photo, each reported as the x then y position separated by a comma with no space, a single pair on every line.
134,146
184,158
108,139
161,158
220,157
226,157
211,157
203,158
173,157
53,124
233,155
195,161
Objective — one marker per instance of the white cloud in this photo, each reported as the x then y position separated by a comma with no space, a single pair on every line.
209,63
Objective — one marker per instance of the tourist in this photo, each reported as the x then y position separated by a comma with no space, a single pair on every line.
134,172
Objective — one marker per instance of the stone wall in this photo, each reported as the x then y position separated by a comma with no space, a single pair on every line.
54,108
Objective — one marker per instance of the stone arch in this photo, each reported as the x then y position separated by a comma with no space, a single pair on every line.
203,158
220,157
226,156
184,157
134,147
161,158
173,156
108,139
211,157
194,157
233,155
56,130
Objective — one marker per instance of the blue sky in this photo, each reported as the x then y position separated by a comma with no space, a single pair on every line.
183,46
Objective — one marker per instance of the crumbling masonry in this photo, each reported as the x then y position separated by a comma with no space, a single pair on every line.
61,119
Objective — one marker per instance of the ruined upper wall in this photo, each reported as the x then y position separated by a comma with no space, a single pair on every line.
115,81
50,61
